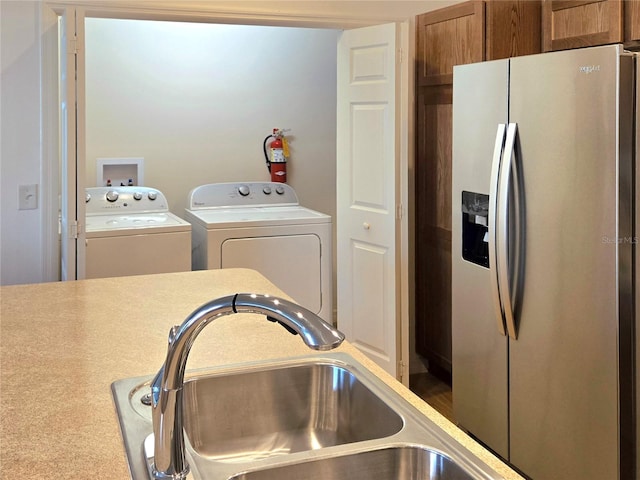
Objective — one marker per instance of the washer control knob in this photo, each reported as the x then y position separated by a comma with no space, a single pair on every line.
87,197
279,189
243,190
137,196
267,190
112,196
152,195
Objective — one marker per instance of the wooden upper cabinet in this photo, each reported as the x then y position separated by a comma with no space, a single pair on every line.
581,23
474,31
513,28
450,36
632,23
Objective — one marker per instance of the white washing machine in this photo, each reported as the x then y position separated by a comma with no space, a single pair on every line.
130,231
262,226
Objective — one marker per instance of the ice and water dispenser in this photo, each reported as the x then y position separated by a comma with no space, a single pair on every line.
475,231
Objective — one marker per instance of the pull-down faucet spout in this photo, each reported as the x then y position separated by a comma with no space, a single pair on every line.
166,388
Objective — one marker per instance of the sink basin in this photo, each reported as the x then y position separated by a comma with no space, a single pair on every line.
249,416
319,417
392,463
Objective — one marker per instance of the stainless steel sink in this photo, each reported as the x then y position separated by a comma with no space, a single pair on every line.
390,463
249,416
318,417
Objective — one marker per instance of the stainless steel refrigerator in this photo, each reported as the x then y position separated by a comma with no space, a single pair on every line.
543,249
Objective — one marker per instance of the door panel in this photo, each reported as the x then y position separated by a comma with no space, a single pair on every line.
368,127
367,151
138,255
291,262
577,24
369,328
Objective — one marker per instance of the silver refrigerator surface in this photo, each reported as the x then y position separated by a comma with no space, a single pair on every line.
543,239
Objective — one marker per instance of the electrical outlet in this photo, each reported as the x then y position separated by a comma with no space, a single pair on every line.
27,197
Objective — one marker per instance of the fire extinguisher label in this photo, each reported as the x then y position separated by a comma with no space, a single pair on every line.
277,155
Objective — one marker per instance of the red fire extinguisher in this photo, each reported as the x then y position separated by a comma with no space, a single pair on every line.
276,156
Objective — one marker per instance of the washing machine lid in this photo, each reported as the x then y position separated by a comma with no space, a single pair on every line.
217,218
134,224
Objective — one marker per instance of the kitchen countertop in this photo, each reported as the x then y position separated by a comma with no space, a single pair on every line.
63,344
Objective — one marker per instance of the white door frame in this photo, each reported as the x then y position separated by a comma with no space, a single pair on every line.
279,18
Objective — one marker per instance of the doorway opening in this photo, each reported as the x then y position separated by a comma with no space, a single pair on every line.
402,153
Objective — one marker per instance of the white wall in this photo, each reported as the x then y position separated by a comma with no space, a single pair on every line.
196,101
20,152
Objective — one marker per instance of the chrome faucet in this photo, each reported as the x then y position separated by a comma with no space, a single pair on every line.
166,388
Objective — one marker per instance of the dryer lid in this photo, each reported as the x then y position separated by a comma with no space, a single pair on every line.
256,216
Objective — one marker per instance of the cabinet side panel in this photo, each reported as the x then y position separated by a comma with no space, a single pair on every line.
433,228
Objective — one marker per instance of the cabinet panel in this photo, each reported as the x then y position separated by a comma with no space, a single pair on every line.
433,300
513,28
581,23
632,23
433,227
437,159
448,37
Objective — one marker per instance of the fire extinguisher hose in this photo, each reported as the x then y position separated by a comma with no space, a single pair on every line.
264,149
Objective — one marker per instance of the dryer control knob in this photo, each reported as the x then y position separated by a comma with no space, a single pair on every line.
152,195
112,196
243,190
279,189
266,190
137,196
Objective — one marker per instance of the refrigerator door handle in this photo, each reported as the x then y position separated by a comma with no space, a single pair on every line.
494,253
507,172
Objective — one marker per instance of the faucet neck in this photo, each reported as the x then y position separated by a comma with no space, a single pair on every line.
166,388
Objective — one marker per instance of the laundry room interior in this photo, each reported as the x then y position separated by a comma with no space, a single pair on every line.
176,105
190,102
196,100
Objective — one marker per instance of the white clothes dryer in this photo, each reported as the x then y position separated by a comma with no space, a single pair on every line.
262,226
130,231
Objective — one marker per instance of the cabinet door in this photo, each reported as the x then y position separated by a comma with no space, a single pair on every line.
581,23
632,24
447,37
513,28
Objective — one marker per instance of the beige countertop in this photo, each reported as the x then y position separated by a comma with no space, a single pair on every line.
63,344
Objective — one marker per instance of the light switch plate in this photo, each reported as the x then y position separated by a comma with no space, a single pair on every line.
27,197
